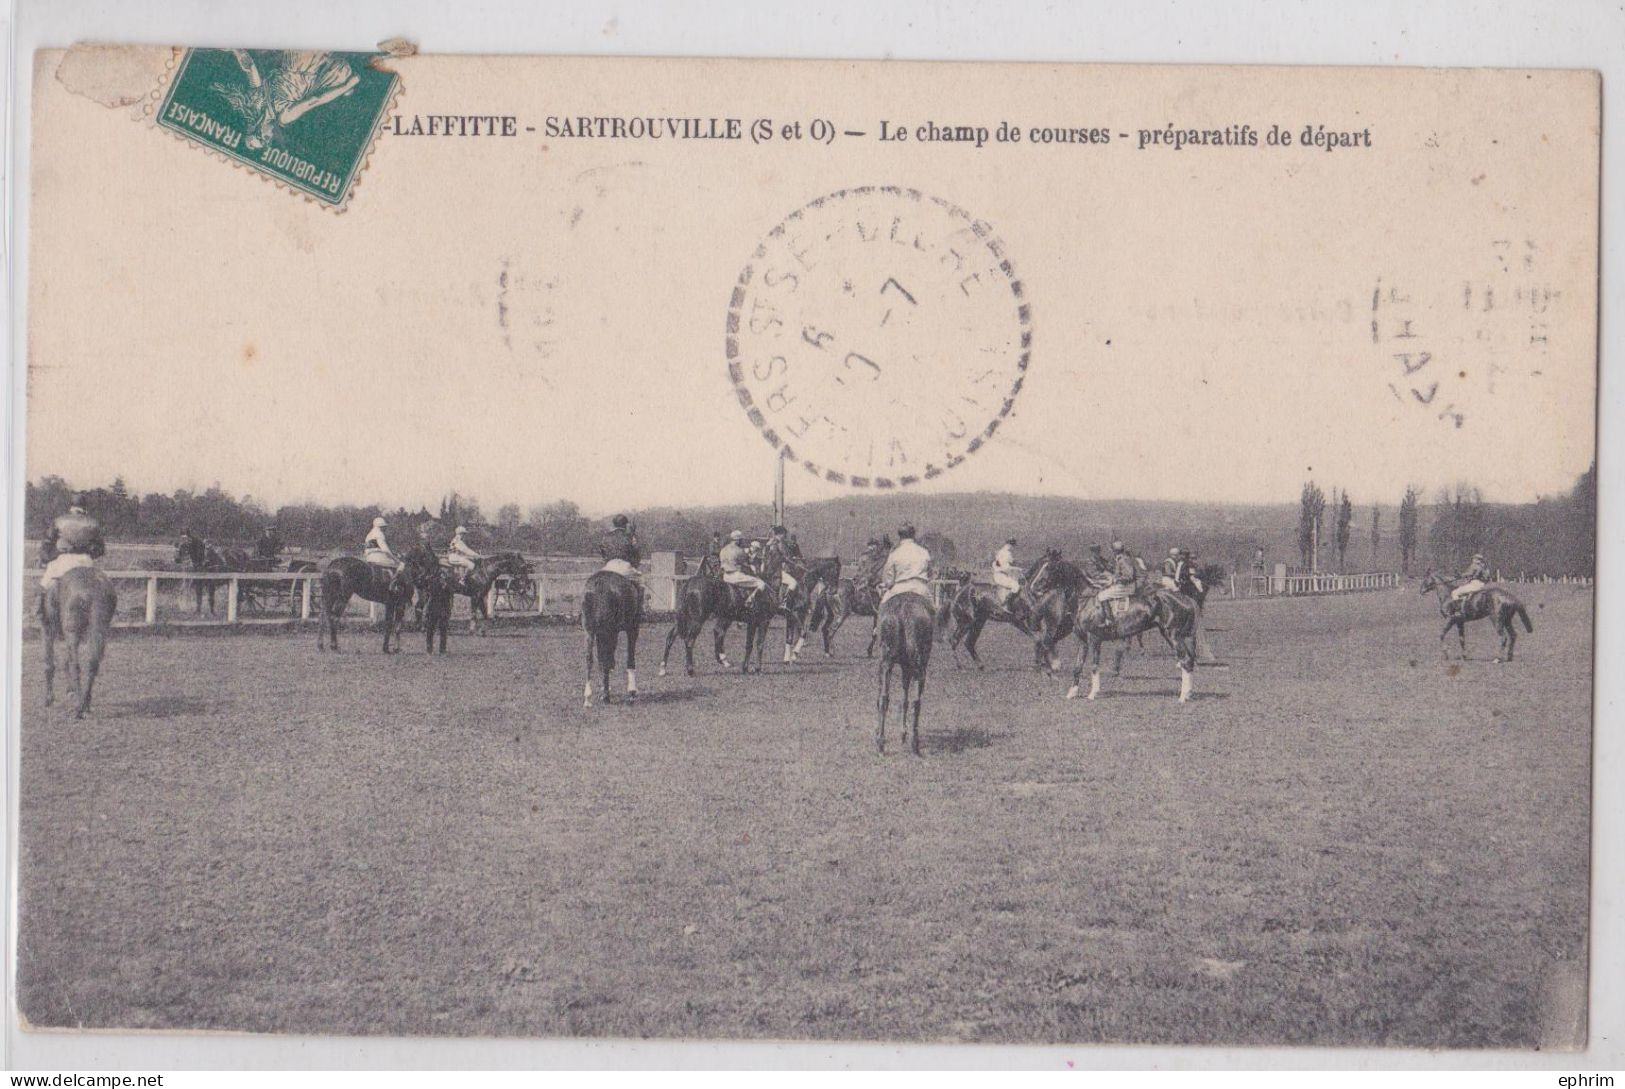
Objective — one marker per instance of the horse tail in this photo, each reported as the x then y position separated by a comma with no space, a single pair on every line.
1523,614
945,614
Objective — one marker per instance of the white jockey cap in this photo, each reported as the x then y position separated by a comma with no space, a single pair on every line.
379,523
459,531
1117,546
736,535
1174,551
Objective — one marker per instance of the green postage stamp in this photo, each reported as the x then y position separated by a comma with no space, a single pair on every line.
305,118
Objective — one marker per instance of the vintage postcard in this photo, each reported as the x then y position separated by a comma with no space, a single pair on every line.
715,549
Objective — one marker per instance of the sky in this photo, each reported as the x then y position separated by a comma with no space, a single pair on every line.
524,322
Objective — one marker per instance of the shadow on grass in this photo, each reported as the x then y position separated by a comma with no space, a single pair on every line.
158,707
956,740
670,695
1169,694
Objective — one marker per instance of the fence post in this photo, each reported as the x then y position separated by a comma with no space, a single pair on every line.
231,601
304,598
541,593
152,599
491,598
372,611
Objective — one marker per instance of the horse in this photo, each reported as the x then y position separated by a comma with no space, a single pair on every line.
905,626
204,557
612,604
974,603
1492,601
476,584
844,598
79,608
813,581
707,597
434,595
1053,592
1171,613
348,576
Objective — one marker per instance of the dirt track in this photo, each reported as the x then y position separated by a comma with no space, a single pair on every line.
247,834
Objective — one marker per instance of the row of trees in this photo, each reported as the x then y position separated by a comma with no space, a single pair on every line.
557,528
1553,535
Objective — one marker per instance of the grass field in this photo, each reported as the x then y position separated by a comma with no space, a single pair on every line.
1343,840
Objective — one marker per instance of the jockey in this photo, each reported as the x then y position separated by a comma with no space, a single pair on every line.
619,548
780,545
1473,580
1124,572
460,554
376,550
74,540
1006,575
269,546
1175,569
734,570
908,568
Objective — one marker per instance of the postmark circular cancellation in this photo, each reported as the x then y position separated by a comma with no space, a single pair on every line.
878,336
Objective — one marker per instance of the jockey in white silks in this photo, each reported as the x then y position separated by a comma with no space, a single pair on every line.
1006,575
76,540
460,554
1174,569
908,568
734,559
376,550
1476,577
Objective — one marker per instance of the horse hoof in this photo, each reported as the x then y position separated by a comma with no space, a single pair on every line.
49,700
1072,693
661,672
631,698
690,672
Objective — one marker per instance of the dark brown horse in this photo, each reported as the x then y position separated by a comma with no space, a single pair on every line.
202,557
1492,602
814,582
1171,613
1054,589
612,604
434,596
842,599
476,584
974,604
905,626
78,609
705,596
351,576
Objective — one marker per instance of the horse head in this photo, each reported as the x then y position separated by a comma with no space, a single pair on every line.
188,548
1429,581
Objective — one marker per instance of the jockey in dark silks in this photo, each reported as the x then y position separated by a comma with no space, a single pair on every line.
620,551
269,546
74,540
1125,574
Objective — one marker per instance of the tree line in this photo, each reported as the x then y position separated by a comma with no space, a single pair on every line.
1554,535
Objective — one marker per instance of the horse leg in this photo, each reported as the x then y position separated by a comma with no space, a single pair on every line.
883,701
919,694
1094,668
671,638
50,663
874,634
1187,665
98,646
72,640
750,645
720,631
631,665
606,658
1461,631
1117,661
972,634
586,693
